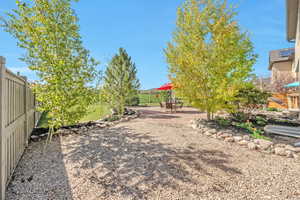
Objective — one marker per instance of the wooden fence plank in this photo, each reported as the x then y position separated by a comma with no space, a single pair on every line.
3,148
17,120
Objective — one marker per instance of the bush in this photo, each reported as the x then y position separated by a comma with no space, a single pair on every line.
260,121
249,98
133,101
223,122
112,118
240,116
272,109
250,128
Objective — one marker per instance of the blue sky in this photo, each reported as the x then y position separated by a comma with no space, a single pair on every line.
144,27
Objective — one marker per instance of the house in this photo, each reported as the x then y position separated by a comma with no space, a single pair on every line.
293,35
281,64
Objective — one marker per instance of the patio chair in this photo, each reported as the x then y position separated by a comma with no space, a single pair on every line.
169,105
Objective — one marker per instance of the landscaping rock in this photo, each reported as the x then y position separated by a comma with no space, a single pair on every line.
213,131
237,138
252,146
293,149
296,156
229,139
243,142
34,138
289,154
280,145
226,135
280,151
204,129
219,134
208,133
263,144
44,135
194,126
246,137
214,136
101,125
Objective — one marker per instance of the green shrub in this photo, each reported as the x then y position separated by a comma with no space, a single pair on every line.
240,116
250,97
112,118
250,128
133,101
260,121
272,109
223,122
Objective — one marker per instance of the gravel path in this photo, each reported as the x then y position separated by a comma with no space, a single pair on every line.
157,156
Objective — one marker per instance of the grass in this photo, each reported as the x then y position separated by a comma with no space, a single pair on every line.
155,99
95,112
150,99
43,122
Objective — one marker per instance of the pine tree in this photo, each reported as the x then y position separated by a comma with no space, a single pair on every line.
209,58
120,81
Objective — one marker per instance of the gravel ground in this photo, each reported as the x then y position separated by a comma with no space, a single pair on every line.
157,156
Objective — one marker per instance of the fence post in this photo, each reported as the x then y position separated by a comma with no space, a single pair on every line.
26,112
2,126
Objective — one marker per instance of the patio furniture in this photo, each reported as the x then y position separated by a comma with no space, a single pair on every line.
170,106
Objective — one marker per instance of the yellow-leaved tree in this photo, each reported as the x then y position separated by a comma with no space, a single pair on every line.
209,57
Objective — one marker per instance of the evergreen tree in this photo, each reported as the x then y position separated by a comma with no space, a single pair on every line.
120,81
48,31
209,58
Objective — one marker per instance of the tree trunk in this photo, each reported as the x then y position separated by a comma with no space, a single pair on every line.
208,115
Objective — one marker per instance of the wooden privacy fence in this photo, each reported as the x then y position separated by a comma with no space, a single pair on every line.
18,118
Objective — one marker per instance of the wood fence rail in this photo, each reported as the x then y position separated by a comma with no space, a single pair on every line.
18,117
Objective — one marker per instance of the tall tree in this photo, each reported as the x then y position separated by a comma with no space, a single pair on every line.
120,81
209,57
48,31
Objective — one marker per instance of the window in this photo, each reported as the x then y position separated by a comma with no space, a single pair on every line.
286,53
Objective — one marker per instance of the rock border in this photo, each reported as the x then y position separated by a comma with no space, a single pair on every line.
83,127
209,129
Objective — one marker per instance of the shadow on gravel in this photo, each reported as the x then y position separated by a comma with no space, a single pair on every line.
157,114
41,176
134,164
189,112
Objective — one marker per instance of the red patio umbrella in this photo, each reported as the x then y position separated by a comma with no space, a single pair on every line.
168,86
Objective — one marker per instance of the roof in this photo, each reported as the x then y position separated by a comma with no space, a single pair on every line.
281,55
291,18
